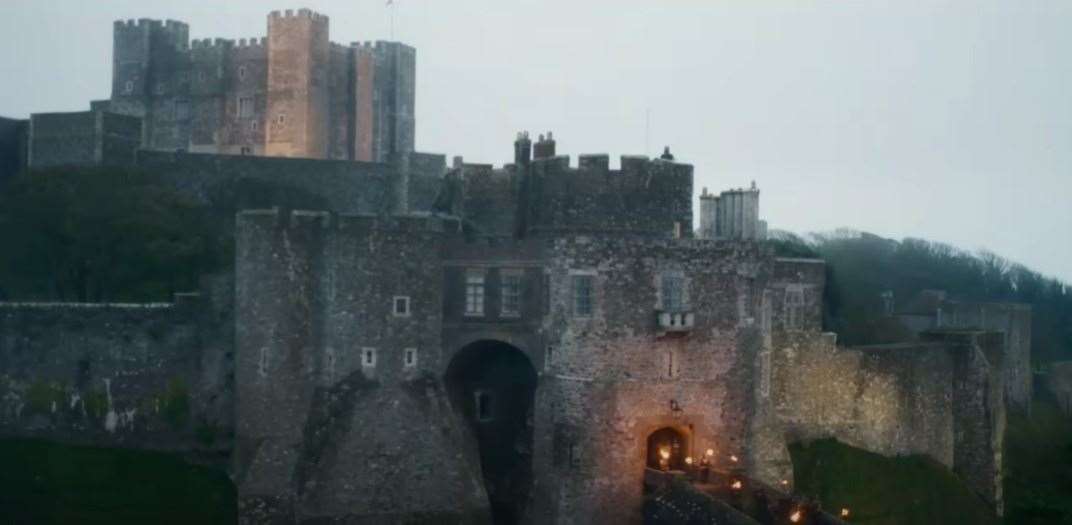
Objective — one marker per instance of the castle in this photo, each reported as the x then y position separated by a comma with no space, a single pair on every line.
452,345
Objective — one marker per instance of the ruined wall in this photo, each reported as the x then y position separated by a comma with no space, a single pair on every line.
1012,320
332,418
644,197
613,378
136,376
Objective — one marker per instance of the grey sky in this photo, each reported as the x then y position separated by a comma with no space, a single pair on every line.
950,121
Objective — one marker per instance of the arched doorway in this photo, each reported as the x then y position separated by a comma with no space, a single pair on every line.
670,441
492,386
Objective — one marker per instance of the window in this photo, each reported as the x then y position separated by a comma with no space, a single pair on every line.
281,119
575,455
410,359
242,73
368,358
182,109
128,87
262,362
245,107
511,294
401,306
246,150
673,292
582,295
794,306
474,293
254,125
483,408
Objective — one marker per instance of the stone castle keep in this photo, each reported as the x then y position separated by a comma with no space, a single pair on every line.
403,341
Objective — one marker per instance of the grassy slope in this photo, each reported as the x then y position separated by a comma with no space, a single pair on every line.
878,490
46,483
1038,458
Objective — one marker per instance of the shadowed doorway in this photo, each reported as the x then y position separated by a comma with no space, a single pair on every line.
492,385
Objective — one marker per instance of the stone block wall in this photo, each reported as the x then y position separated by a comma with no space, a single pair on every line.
136,376
333,419
88,138
12,139
615,377
1014,322
940,397
647,197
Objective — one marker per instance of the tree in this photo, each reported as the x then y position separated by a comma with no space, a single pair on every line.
103,234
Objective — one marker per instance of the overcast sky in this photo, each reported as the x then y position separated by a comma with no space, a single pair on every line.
950,121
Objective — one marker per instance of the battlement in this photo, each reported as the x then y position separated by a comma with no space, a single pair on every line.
149,23
211,43
253,42
278,218
303,13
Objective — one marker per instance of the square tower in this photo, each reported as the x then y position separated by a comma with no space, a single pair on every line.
298,85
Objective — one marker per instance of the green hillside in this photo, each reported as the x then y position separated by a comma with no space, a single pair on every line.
46,483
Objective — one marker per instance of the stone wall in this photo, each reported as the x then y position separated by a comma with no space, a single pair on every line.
940,397
613,378
332,418
647,197
88,138
136,376
1014,322
12,133
1058,381
233,182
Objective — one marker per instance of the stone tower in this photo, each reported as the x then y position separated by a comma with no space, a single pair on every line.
385,76
147,64
298,91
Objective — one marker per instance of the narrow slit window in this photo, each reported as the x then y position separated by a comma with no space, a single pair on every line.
401,306
368,357
410,359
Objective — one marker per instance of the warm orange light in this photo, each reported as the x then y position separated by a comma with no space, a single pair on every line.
736,485
688,460
733,459
710,452
785,482
795,516
665,453
844,513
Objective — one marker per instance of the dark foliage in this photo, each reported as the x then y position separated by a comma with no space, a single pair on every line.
95,235
862,266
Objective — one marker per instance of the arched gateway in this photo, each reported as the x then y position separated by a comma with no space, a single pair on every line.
492,386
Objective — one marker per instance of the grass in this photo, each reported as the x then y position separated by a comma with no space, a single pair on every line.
48,483
880,490
1038,461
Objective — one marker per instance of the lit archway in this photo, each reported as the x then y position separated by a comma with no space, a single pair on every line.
669,441
492,386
